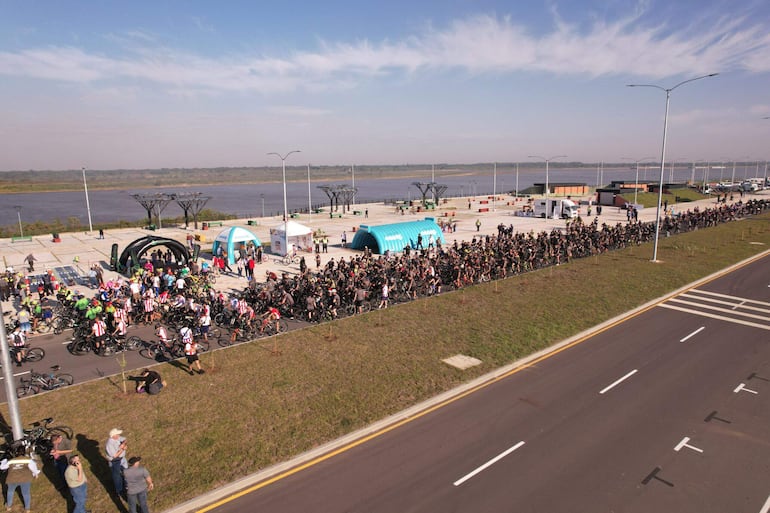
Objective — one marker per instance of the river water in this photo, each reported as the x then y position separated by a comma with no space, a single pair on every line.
251,200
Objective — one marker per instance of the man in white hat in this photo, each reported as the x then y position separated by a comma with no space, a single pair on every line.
116,455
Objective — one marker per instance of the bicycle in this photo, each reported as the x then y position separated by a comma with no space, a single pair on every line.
113,345
31,354
288,259
37,438
160,351
37,382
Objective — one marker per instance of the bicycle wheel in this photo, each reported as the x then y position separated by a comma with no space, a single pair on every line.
133,343
283,326
203,346
150,353
25,390
227,340
43,327
62,380
109,348
215,334
212,278
34,354
78,347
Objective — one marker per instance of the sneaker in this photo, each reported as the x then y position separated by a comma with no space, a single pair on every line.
201,371
191,372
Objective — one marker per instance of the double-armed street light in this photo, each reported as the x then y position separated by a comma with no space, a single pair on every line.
285,209
663,150
547,161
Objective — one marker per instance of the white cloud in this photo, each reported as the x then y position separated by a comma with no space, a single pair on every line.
480,44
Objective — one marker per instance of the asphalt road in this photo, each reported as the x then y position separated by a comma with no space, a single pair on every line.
90,366
667,411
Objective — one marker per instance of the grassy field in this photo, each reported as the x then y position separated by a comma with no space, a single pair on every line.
252,408
650,199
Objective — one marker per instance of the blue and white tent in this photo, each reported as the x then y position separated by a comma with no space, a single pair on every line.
395,237
231,239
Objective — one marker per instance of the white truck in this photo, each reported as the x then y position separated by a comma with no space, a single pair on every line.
556,208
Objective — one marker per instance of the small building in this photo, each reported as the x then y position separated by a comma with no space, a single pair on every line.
563,188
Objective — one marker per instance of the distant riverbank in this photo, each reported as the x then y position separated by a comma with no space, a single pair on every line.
72,180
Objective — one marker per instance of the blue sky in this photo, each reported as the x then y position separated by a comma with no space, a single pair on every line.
107,84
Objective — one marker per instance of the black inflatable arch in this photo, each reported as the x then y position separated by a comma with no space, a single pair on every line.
139,247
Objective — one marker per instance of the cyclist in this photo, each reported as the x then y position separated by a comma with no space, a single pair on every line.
121,328
99,332
162,335
18,341
272,314
191,351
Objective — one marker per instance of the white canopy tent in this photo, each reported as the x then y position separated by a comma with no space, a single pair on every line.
297,234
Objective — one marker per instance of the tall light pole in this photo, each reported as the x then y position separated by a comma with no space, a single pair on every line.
88,205
671,168
494,188
547,161
309,200
663,151
636,186
262,196
18,214
285,248
353,176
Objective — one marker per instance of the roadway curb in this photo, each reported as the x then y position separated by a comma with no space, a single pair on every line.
495,375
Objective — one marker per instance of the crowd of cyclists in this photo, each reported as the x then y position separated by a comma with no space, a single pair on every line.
186,303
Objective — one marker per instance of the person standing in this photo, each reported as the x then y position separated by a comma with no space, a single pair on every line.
77,482
191,351
61,449
116,454
138,483
30,259
478,224
344,239
22,469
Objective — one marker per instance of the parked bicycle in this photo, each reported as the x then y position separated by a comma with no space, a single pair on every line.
37,438
37,382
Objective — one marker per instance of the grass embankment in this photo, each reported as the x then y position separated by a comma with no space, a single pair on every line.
253,409
679,197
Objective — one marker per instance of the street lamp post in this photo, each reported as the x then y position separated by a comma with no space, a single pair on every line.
285,248
663,151
547,161
636,185
262,196
494,188
18,214
88,205
309,200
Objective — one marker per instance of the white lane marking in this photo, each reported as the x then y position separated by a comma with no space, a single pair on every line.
693,333
714,316
488,464
608,387
684,443
716,294
725,310
766,507
17,374
742,386
741,305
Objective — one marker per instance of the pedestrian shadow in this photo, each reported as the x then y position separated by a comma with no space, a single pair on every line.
51,471
100,468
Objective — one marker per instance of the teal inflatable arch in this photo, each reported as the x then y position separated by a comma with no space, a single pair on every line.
231,240
395,237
